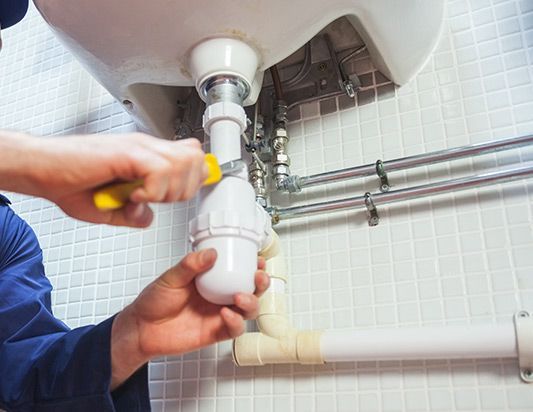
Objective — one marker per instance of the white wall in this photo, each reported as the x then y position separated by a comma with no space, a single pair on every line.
450,260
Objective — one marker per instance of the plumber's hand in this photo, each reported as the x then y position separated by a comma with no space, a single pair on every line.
67,170
170,317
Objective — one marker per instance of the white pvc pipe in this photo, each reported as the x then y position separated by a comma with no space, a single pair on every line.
225,138
441,342
227,218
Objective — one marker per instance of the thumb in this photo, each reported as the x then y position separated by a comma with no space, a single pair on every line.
133,215
188,268
81,206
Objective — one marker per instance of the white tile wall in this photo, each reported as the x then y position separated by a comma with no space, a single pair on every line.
450,260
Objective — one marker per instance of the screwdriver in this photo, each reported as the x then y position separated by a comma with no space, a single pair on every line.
116,195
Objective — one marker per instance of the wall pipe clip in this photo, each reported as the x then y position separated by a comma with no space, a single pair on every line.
384,185
523,321
372,212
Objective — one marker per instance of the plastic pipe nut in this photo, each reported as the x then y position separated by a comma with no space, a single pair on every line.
224,111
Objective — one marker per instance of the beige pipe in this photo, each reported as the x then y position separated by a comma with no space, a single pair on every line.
277,340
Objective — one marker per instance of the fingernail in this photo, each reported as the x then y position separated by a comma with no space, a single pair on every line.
144,214
207,256
137,211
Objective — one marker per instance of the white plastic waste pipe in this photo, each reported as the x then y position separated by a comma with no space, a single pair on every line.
437,342
279,342
228,219
226,140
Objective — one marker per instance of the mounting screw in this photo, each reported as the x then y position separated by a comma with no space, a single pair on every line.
322,67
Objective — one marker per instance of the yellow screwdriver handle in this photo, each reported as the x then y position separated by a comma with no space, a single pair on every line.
214,170
116,195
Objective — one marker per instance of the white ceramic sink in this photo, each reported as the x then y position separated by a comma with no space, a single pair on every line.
136,47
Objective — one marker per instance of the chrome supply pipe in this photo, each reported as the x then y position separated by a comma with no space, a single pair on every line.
279,140
297,183
415,192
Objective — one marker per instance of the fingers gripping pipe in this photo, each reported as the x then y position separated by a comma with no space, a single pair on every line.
277,340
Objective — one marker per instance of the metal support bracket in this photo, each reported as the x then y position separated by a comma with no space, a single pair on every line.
384,185
372,212
523,321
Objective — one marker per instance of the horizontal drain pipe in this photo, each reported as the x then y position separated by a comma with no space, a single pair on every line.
504,340
430,342
297,183
370,201
406,343
278,341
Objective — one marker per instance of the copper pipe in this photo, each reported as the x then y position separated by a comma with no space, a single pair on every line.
276,82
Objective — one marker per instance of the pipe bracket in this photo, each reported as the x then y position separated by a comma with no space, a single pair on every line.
372,212
523,321
384,185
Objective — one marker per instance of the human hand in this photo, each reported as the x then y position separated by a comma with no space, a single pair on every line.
67,170
170,317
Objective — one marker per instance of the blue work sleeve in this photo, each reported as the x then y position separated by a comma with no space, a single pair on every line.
44,366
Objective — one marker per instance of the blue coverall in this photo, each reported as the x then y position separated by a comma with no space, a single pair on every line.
45,366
